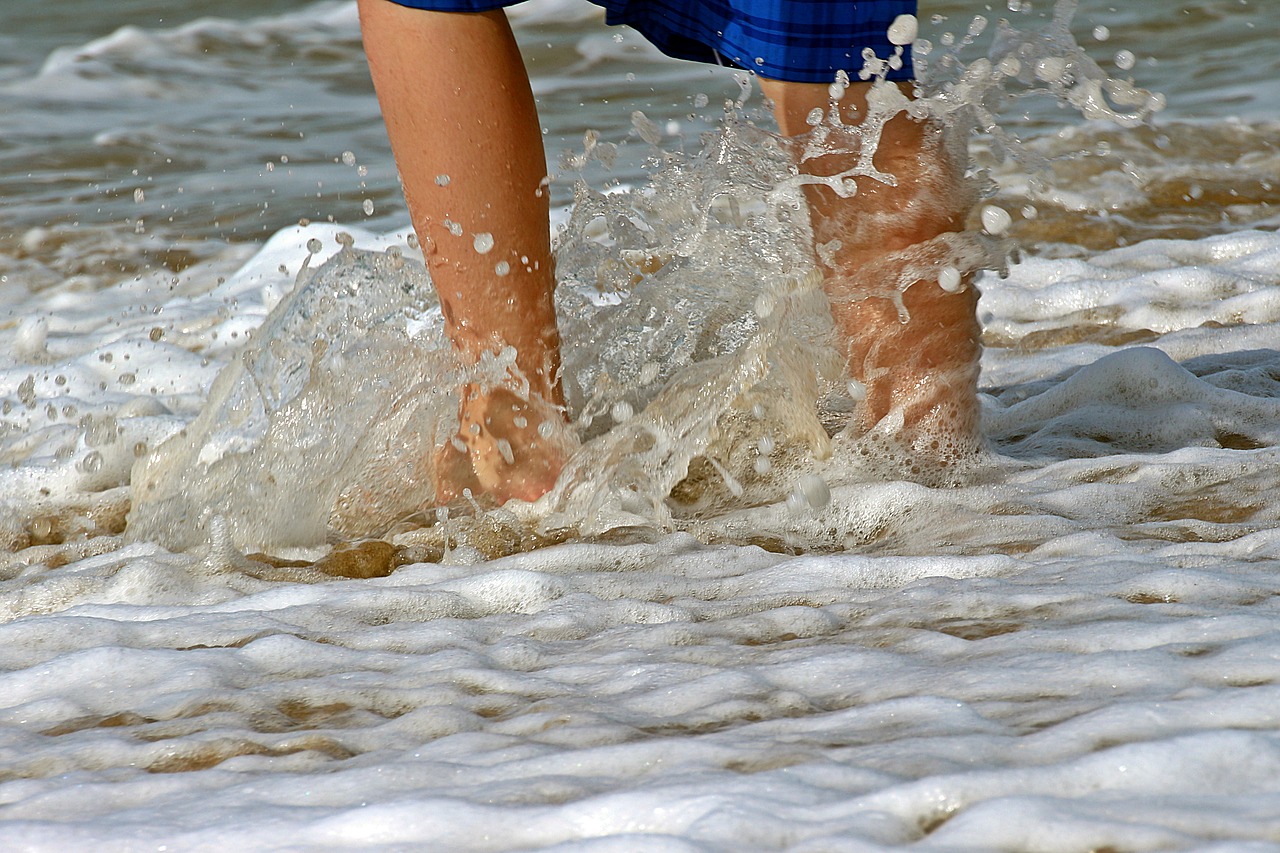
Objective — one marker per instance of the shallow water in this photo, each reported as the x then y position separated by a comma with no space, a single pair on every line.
1073,650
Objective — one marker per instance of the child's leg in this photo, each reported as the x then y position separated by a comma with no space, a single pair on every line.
464,130
929,365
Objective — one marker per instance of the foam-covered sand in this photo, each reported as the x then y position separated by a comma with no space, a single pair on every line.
1091,691
1078,655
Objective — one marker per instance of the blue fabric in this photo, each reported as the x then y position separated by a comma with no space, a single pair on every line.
804,41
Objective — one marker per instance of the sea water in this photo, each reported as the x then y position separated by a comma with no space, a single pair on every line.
1074,648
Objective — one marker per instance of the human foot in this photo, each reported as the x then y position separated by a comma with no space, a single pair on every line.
506,447
923,366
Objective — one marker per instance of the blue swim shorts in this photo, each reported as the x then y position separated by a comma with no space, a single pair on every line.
804,41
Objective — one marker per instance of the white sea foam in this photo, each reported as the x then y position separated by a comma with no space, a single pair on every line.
1082,645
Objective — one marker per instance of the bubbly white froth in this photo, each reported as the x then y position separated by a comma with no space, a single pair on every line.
1082,644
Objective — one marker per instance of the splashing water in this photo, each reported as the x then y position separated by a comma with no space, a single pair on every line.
275,454
700,361
723,309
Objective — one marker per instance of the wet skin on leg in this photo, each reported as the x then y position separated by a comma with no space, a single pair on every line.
465,134
928,366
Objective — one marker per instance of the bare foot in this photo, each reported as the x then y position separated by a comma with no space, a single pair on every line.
506,447
927,367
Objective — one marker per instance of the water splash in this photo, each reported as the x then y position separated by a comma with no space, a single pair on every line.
319,427
699,359
720,305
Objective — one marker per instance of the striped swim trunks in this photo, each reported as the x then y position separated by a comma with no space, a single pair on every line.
804,41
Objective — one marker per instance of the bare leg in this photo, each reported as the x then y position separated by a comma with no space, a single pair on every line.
927,367
464,130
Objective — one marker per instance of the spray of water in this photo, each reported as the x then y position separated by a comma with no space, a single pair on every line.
700,362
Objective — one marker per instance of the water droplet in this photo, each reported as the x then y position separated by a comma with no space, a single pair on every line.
1101,33
367,207
504,447
156,333
442,180
815,490
765,444
91,463
139,196
314,245
995,220
621,411
700,100
348,158
949,279
646,128
1125,60
903,30
502,268
1030,211
1051,69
